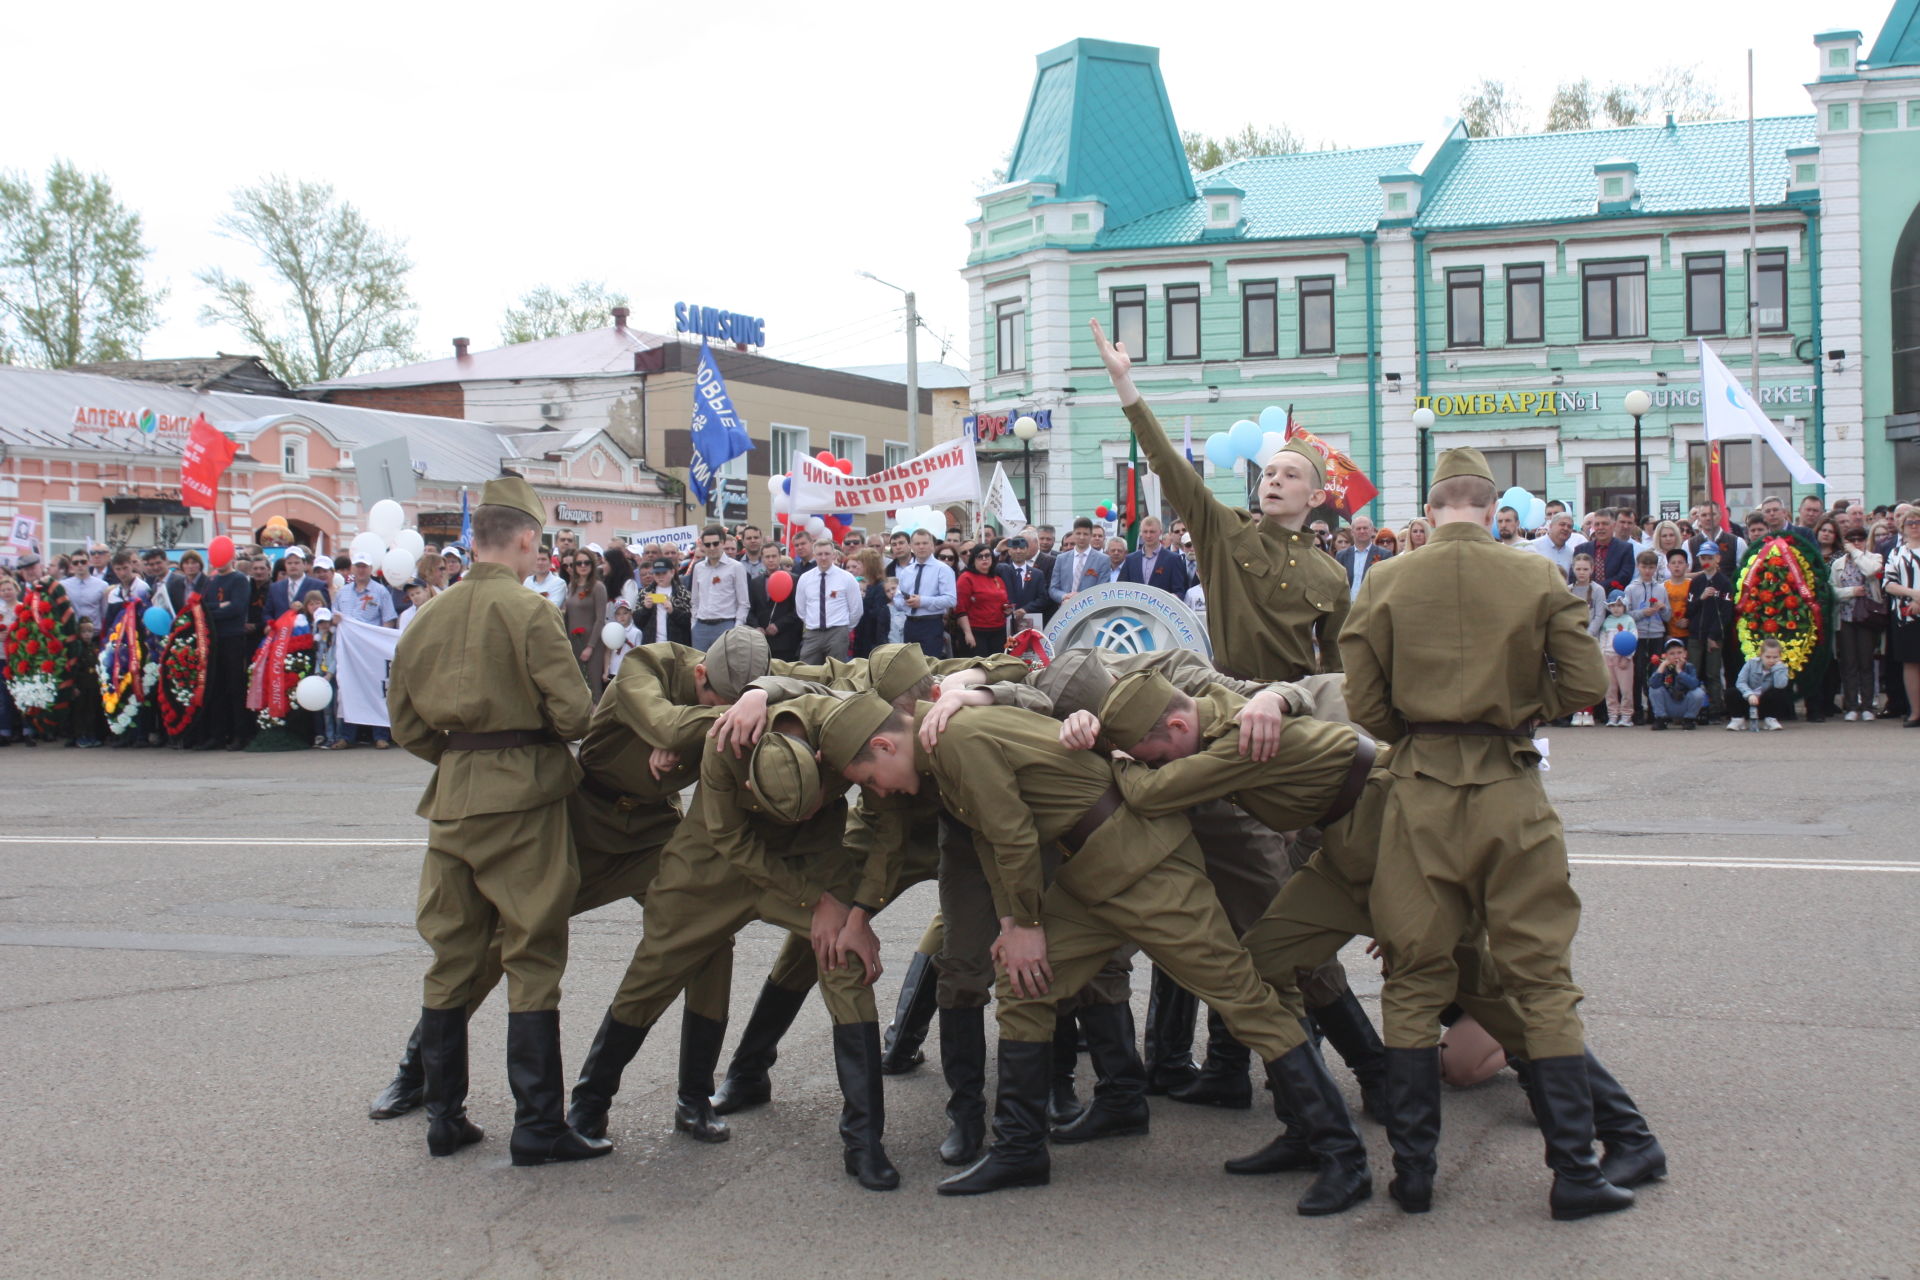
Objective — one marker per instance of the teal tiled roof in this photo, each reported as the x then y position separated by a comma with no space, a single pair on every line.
1899,42
1548,177
1316,193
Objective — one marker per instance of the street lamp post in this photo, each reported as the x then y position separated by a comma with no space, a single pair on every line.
913,366
1422,423
1637,403
1026,429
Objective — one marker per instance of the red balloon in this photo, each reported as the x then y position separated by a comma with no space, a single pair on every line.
825,458
845,466
779,585
220,552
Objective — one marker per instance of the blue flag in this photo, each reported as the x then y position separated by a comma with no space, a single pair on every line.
717,433
466,521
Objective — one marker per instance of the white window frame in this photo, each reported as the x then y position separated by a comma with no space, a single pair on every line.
893,453
734,468
797,442
96,514
837,442
293,457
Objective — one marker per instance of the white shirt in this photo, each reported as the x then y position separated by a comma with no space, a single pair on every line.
1360,562
1561,555
554,588
720,590
843,598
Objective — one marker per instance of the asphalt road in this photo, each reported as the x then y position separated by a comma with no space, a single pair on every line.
207,967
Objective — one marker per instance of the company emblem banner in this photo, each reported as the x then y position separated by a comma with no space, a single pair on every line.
718,434
948,472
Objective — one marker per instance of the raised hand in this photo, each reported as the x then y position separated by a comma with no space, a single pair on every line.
1119,364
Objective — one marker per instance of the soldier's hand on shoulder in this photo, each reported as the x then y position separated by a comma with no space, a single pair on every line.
663,762
1079,731
1260,723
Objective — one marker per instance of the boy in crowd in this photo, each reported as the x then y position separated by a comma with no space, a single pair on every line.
1709,614
1647,606
1763,683
1673,690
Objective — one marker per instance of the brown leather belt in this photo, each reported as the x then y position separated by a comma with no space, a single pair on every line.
499,741
621,800
1353,784
1090,820
1467,730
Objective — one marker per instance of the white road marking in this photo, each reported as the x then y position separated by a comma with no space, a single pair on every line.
1748,863
210,840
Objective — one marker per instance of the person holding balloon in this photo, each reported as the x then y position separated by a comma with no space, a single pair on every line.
1619,641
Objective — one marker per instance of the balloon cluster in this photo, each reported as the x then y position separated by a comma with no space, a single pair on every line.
780,488
1533,511
1104,512
1254,441
389,545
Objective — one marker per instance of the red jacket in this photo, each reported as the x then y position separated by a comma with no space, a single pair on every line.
982,599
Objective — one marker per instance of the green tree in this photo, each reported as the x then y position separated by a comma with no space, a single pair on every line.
339,298
545,312
1490,109
1573,107
72,289
1204,152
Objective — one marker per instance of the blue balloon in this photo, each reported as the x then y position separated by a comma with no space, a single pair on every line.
1625,642
1535,516
1245,435
1273,418
157,620
1219,449
786,484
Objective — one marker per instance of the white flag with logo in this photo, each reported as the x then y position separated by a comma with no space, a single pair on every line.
1732,415
362,657
1000,502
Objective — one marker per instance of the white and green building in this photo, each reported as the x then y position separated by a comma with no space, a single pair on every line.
1517,286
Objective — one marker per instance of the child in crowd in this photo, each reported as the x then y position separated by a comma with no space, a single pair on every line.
1763,683
1619,665
87,719
1595,597
1679,577
623,614
1673,690
418,593
1647,604
327,735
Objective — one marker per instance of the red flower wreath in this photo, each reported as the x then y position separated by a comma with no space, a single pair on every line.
183,668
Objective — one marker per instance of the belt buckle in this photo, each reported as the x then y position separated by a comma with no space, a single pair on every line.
627,804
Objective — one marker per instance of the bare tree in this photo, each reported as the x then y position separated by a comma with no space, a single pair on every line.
545,312
1572,107
71,284
1490,109
342,286
1204,152
1681,90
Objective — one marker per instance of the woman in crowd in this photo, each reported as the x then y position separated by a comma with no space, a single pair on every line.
585,613
1388,541
1667,538
981,604
1342,539
12,724
1856,591
1595,597
1415,535
619,569
1833,547
875,615
1902,585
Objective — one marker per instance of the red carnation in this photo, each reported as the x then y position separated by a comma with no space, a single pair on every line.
1769,626
46,666
32,646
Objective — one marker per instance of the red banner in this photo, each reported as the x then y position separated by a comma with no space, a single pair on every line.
206,457
1717,481
1348,489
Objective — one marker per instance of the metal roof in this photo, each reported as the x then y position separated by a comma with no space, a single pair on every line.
934,376
1313,193
238,373
571,355
1899,42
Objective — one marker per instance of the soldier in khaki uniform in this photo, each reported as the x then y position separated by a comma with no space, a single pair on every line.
1457,660
1124,878
764,840
484,687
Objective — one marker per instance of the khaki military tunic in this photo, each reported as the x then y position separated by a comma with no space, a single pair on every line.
1271,593
489,656
1461,634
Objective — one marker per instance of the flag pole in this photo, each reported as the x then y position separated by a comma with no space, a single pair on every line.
1753,250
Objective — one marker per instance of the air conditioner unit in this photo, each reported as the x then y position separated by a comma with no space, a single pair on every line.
552,409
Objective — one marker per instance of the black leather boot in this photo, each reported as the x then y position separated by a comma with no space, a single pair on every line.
1018,1156
1222,1081
407,1089
700,1040
912,1016
613,1048
1347,1028
1523,1070
540,1131
1413,1125
1119,1108
1285,1154
1565,1101
1634,1156
747,1083
863,1115
963,1058
1063,1104
442,1038
1300,1078
1169,1044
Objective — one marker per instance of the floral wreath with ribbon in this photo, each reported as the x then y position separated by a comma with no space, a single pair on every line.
1783,594
284,658
183,667
127,672
40,668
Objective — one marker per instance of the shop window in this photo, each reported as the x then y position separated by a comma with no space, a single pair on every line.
785,443
1465,307
1316,316
1616,299
1260,318
1707,293
1526,303
1524,467
1770,290
1906,319
1752,474
70,531
1610,484
1183,322
1130,321
1010,336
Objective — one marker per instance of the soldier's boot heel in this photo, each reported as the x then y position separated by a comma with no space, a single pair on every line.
693,1115
863,1113
748,1083
1287,1153
1633,1155
441,1039
1119,1108
408,1088
1018,1156
613,1048
912,1017
1300,1078
963,1059
541,1134
1413,1125
1565,1101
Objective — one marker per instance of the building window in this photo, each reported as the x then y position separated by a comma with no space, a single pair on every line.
1220,210
1707,293
1836,59
70,531
1526,303
1130,321
1316,316
895,453
1083,222
1613,188
1616,294
1465,323
1752,476
1770,290
850,447
1396,202
1611,484
1010,336
293,457
786,443
1183,322
1524,467
1906,319
1260,318
1880,115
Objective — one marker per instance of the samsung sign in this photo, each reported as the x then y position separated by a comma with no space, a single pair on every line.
720,326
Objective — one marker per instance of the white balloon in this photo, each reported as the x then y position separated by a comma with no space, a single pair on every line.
369,544
410,541
776,485
613,635
313,693
386,518
398,567
782,504
816,527
1270,444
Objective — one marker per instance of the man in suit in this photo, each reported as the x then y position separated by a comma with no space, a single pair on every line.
1027,585
1155,563
293,586
1361,556
1041,537
1081,564
1612,555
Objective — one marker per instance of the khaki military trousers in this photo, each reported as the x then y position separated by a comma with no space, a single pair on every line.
1493,853
694,908
1249,864
514,873
1172,914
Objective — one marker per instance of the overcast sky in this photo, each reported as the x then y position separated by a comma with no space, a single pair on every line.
749,156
